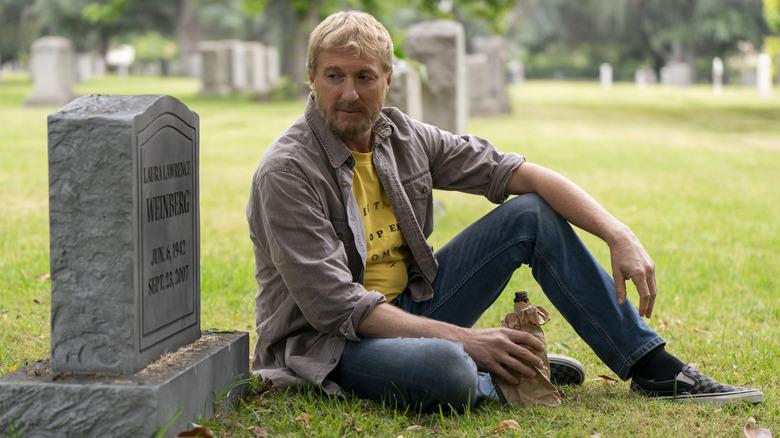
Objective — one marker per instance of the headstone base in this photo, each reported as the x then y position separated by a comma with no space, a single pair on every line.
193,381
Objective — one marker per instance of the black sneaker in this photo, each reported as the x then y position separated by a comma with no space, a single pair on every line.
565,370
693,386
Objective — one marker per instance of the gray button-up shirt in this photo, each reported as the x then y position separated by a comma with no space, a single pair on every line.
308,238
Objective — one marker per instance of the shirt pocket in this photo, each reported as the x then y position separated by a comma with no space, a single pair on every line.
418,187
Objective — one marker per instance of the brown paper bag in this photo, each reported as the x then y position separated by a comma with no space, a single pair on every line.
529,390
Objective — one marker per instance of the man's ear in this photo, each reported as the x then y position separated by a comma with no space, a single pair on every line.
311,77
389,77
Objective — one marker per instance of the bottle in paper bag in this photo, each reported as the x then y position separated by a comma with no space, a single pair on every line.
529,390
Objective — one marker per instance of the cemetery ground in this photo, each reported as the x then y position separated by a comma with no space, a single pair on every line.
695,175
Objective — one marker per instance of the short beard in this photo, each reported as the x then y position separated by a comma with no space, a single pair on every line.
351,129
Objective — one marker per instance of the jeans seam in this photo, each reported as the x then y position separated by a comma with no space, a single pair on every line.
625,361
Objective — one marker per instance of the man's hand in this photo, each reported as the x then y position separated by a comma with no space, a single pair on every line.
629,258
494,349
498,350
631,261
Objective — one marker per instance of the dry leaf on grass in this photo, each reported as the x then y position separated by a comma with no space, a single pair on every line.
761,432
607,378
507,424
202,432
304,419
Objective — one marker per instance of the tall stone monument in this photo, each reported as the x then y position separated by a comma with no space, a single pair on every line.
440,45
53,69
125,271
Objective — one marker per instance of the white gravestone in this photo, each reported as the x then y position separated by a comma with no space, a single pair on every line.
764,75
216,73
605,75
257,73
53,68
717,76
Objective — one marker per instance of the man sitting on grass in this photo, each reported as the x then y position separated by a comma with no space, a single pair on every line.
352,296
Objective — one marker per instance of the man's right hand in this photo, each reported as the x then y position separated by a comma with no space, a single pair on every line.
499,350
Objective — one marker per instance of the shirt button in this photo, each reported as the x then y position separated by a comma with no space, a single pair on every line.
344,183
333,360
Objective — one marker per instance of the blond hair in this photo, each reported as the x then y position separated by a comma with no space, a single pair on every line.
354,32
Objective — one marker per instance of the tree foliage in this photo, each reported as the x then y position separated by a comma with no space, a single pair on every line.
635,32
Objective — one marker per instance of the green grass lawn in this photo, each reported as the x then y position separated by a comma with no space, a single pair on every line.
696,176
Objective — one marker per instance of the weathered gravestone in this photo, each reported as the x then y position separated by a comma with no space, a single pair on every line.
53,69
405,92
257,71
440,45
237,65
215,70
494,97
126,346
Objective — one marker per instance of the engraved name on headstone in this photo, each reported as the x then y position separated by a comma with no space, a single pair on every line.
167,228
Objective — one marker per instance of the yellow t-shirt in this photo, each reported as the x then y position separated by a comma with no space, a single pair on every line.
387,254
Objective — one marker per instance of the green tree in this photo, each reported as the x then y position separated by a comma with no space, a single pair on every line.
18,29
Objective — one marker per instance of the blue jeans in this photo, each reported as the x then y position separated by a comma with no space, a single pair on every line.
474,268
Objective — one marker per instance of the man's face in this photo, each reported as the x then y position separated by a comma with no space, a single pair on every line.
349,92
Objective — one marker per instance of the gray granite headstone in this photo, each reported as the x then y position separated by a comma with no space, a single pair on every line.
127,353
440,45
124,231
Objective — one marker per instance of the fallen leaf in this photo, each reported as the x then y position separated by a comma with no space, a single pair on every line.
607,378
259,432
414,427
44,277
661,326
699,330
304,419
507,424
13,368
202,432
35,300
761,432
